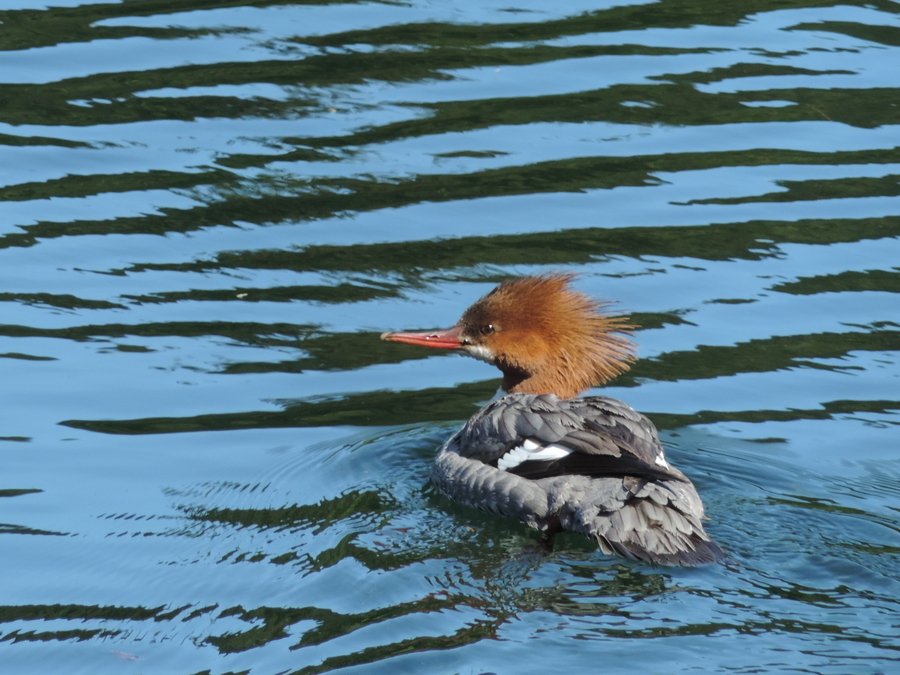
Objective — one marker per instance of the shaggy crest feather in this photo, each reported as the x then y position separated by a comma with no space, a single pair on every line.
549,319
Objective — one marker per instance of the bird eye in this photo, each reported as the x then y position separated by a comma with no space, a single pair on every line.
487,329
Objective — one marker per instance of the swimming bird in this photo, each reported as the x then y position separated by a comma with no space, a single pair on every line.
545,455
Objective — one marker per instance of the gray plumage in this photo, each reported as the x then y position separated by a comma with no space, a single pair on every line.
614,486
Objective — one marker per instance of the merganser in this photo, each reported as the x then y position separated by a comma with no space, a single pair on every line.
591,465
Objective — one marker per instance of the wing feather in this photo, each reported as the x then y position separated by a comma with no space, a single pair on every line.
606,437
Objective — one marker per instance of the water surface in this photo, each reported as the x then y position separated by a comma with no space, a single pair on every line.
209,211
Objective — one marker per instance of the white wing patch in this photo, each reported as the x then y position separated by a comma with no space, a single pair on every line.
662,461
531,451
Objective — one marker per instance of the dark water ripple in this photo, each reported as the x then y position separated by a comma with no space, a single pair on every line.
210,210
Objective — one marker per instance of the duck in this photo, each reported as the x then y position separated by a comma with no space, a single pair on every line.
549,457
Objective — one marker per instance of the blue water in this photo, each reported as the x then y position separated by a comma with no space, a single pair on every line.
209,212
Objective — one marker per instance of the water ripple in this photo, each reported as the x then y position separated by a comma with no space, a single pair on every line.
209,213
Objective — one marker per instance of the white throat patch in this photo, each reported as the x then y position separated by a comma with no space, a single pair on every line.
480,352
